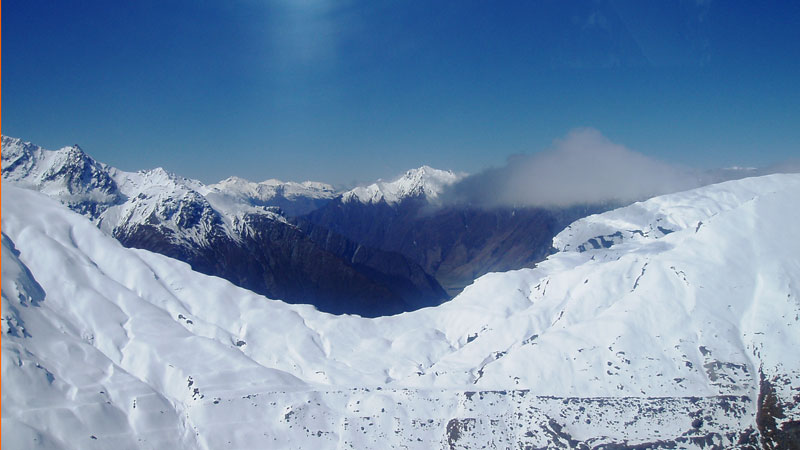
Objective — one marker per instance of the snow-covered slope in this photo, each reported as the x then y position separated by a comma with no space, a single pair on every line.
661,339
425,182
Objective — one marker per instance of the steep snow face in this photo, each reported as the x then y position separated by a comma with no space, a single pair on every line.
125,344
425,182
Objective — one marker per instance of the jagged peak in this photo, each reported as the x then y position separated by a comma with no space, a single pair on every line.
73,153
272,182
13,140
14,146
159,171
426,170
74,148
424,181
19,157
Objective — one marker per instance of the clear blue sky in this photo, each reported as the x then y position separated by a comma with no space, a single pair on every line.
343,91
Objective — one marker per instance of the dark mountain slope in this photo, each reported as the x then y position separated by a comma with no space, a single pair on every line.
456,244
280,261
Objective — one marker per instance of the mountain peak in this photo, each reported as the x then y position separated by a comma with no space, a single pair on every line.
75,148
426,169
18,156
425,181
9,140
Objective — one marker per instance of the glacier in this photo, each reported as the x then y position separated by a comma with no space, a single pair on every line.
673,322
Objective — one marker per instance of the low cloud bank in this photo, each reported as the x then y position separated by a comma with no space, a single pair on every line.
583,168
789,166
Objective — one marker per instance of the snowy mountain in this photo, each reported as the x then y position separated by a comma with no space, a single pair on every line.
68,174
115,199
293,198
678,330
454,242
234,229
424,182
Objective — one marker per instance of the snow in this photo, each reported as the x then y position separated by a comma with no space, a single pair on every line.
122,200
269,189
119,201
424,181
641,324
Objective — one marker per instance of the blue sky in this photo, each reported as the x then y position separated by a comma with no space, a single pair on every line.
355,90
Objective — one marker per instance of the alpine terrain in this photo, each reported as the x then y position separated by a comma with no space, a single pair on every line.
375,250
235,229
453,241
670,323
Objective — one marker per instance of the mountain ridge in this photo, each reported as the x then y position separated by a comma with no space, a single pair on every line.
230,233
423,182
670,327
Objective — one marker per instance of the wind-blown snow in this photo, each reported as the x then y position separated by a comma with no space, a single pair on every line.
136,350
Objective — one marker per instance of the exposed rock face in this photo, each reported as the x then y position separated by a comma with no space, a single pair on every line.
775,413
405,277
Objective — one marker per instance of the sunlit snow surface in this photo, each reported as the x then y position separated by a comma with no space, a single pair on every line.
692,294
424,182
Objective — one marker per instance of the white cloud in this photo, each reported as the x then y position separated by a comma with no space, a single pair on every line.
584,167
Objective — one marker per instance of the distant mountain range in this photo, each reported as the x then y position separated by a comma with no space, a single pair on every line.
234,229
380,249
